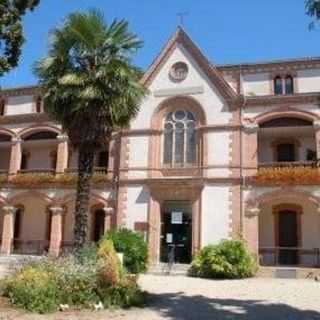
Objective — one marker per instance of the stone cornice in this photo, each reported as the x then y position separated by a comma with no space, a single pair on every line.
284,99
271,66
23,118
20,91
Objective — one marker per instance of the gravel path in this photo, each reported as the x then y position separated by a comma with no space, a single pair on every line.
189,298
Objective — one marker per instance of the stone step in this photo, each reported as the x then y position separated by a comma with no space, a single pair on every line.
176,269
289,273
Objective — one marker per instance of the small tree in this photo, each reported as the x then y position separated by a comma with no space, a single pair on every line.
91,88
11,31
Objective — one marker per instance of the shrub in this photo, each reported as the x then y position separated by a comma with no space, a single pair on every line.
125,294
89,276
76,281
108,264
230,259
133,247
33,289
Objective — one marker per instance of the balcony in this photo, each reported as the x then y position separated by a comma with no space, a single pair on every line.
291,173
33,178
287,153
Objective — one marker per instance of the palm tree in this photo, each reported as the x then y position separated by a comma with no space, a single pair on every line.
92,88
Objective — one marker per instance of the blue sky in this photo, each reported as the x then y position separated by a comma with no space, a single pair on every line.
227,31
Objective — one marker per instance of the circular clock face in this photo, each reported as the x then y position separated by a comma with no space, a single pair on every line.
179,71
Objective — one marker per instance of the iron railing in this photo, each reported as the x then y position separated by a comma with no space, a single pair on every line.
269,256
32,247
284,164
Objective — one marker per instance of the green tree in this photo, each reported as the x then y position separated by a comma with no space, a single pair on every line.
313,10
92,88
11,31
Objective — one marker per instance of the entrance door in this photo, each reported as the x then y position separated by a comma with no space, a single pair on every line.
98,227
288,237
176,232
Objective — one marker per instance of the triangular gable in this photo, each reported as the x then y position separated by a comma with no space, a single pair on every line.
180,37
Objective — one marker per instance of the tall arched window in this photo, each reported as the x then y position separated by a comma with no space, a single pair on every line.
179,138
278,85
289,84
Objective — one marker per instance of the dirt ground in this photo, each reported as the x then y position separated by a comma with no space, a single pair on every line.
185,298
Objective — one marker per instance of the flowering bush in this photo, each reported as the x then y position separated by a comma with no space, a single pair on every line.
288,175
36,179
82,279
230,259
33,289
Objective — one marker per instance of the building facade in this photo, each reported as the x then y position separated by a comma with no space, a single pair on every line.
216,152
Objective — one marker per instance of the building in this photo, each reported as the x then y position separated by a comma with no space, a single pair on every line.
216,152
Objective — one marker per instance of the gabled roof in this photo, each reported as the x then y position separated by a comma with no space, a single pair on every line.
180,37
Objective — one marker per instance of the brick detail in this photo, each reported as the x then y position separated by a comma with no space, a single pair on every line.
251,232
123,189
234,212
250,150
15,157
62,154
8,229
154,231
317,136
56,230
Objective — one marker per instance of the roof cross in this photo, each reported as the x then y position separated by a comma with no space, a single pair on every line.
181,16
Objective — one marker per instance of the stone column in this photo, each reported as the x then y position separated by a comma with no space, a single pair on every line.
250,149
15,157
56,230
62,153
7,229
154,230
251,229
316,126
108,213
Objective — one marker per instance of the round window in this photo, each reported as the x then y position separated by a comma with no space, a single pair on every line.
179,71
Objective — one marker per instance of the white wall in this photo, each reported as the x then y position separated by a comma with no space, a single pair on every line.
257,84
20,105
215,213
308,80
218,147
210,99
138,155
137,205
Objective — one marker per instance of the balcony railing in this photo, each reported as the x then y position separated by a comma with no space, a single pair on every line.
288,173
273,256
32,247
37,171
294,164
102,170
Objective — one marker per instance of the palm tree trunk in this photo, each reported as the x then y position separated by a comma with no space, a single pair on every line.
85,167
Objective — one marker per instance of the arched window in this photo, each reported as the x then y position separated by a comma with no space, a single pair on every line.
278,85
179,139
289,84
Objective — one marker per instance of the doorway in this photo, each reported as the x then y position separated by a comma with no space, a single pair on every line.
176,232
98,225
288,239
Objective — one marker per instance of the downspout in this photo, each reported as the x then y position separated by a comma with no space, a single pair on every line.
242,178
